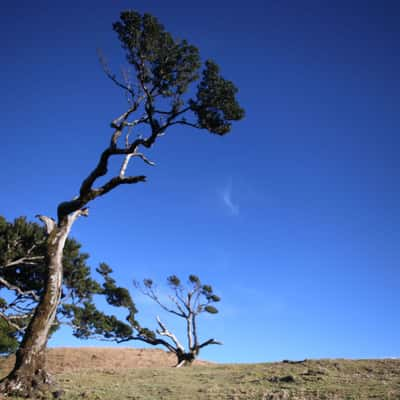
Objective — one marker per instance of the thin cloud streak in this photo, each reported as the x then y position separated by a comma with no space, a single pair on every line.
228,201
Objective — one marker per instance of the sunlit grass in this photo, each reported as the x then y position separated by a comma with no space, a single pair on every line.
314,379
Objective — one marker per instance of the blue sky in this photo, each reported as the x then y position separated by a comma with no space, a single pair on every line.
293,217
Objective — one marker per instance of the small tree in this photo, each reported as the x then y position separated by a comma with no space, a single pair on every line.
186,302
157,84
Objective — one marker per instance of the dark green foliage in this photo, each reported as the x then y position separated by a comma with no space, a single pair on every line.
146,333
167,65
173,280
18,240
115,295
148,283
207,292
210,309
8,338
88,322
215,104
207,289
165,68
194,279
23,272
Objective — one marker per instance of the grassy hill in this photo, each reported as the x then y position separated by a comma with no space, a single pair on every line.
135,374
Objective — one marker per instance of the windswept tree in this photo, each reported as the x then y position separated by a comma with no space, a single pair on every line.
23,271
160,73
185,301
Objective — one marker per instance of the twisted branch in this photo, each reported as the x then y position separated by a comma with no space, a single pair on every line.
16,289
165,332
208,342
9,321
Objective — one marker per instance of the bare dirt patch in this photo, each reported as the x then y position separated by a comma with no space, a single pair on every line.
70,359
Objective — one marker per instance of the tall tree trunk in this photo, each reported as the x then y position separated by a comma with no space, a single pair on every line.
29,375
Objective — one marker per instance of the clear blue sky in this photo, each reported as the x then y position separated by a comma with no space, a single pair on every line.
293,217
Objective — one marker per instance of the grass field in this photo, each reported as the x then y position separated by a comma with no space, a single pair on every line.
107,374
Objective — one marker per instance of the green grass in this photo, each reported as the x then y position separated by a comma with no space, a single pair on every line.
314,379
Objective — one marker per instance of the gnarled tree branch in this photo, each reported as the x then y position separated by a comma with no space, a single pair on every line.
165,332
9,320
208,342
16,289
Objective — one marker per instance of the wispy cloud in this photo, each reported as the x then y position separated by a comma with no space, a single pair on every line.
226,196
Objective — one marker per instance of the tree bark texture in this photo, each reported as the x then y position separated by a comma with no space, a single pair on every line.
29,376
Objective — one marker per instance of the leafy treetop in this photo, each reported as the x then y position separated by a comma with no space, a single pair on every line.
165,68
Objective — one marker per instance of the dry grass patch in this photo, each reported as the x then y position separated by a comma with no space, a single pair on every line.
105,374
68,359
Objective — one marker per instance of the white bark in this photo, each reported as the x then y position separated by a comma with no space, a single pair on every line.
165,332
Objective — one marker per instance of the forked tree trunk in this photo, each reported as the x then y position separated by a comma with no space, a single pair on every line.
185,359
29,376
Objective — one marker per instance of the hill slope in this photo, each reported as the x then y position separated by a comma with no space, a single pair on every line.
137,374
66,359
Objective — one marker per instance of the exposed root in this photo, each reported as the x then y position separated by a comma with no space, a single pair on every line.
36,386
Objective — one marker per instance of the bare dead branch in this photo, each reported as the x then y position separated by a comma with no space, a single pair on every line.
23,260
112,76
154,342
124,165
136,122
196,306
16,289
179,296
209,342
84,212
11,323
48,221
144,158
175,301
150,292
116,181
165,332
17,317
174,114
184,122
119,123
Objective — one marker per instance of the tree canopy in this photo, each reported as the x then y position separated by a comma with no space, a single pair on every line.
163,69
